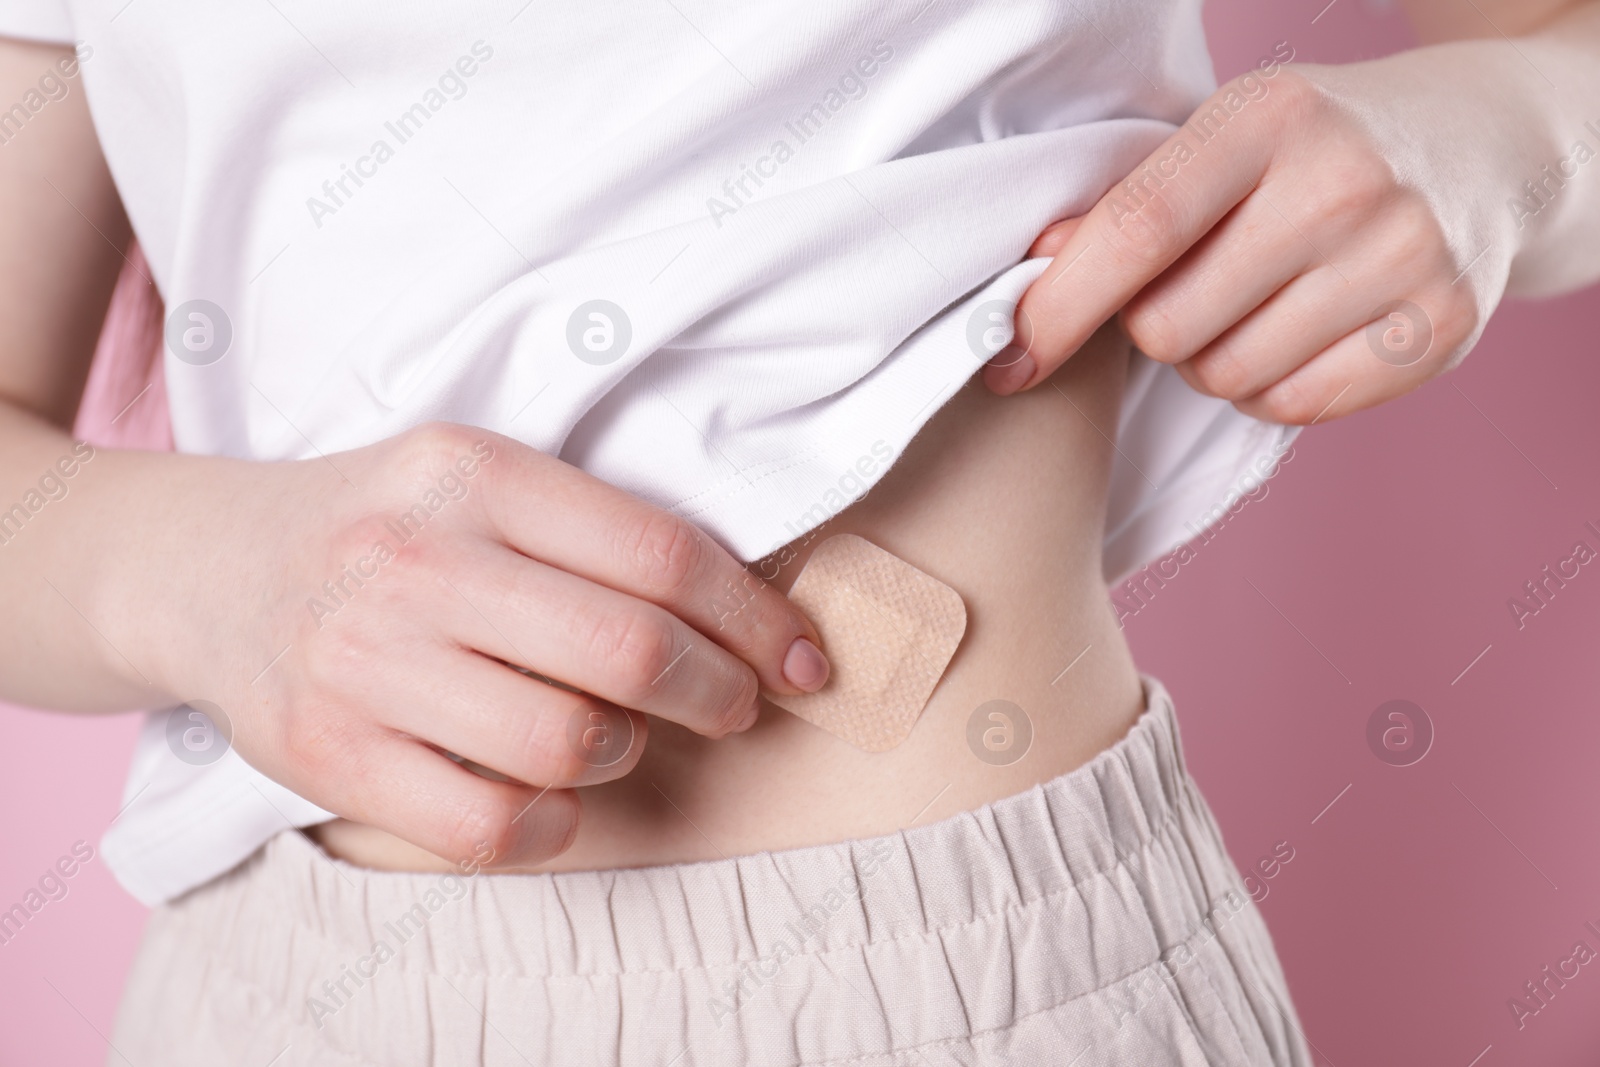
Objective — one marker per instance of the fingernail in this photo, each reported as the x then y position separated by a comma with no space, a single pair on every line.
753,717
804,666
1006,380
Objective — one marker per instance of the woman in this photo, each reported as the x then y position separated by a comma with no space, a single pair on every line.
677,324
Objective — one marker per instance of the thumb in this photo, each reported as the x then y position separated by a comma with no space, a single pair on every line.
1054,238
1009,370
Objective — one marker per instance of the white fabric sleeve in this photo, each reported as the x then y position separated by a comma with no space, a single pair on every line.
36,20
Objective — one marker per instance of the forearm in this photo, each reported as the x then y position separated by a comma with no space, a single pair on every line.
91,567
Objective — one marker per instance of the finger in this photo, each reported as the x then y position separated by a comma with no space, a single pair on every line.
398,784
525,729
617,540
1347,377
1137,230
1054,237
1230,272
617,647
1305,317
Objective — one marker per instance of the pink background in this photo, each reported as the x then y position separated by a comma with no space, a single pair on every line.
1382,559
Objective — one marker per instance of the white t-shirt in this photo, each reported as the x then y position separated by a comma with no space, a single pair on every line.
716,253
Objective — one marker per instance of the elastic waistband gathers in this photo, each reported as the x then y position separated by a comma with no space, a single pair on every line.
1069,909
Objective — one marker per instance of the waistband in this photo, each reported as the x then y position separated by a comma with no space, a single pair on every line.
962,926
1077,833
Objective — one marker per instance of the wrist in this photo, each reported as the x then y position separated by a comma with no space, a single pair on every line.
1465,124
175,559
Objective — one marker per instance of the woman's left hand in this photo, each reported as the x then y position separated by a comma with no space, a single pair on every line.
1314,241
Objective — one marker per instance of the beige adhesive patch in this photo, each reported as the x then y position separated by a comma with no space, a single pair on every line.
888,630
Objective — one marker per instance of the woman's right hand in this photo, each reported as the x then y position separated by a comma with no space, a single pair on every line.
350,616
143,580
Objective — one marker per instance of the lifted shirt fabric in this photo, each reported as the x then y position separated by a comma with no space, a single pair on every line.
726,256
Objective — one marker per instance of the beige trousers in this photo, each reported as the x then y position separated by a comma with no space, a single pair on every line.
1093,920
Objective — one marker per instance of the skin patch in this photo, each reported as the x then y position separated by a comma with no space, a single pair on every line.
888,630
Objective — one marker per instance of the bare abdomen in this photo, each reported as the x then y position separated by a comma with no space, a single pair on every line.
1001,499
